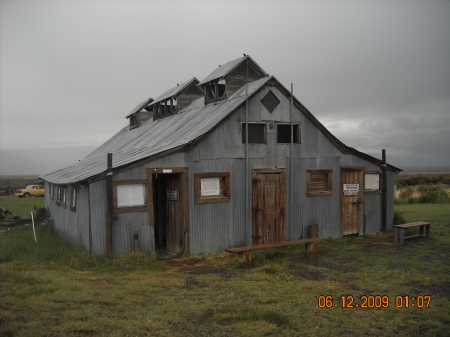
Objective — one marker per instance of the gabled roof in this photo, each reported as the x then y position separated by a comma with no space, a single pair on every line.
140,106
173,133
175,91
155,137
226,68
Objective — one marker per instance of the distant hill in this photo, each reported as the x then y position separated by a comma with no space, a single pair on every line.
40,161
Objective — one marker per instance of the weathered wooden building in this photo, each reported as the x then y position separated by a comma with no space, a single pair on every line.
230,161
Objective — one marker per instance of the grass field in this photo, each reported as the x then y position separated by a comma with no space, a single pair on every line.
50,289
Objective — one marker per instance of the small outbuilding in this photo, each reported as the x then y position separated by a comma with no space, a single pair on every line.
230,161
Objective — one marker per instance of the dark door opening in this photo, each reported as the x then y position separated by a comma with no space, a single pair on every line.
167,212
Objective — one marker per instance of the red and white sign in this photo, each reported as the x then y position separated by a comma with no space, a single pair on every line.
351,189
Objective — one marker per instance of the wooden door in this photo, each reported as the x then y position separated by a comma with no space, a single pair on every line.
268,203
352,200
174,230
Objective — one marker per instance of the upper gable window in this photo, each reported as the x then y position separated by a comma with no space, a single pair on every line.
270,101
133,121
284,133
215,91
256,133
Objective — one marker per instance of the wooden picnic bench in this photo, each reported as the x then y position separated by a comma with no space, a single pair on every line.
399,231
245,253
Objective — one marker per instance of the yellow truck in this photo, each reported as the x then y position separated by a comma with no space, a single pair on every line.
30,191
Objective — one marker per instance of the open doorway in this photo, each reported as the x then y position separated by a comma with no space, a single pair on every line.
170,218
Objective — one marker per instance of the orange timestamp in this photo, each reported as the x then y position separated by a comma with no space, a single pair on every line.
373,301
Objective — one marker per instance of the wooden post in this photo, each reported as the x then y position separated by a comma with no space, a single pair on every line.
312,248
245,258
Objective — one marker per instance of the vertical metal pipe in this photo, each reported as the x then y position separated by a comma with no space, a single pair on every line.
383,191
291,164
109,216
247,208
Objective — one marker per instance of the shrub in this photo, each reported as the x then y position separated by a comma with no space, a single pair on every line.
432,194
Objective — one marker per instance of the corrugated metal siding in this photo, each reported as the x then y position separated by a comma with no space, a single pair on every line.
98,220
71,226
372,210
126,227
217,226
140,172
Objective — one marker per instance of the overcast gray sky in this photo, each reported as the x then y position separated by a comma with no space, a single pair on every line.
375,73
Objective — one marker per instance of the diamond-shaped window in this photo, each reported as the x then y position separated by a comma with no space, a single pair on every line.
270,101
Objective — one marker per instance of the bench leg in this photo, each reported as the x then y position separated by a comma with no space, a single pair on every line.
312,249
396,235
421,230
245,258
427,230
401,236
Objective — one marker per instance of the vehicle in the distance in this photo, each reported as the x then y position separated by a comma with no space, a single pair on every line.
30,191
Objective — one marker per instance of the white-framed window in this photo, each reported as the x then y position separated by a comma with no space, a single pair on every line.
372,182
73,201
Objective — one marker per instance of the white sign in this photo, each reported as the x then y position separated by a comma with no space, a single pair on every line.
167,170
130,195
210,186
172,195
351,189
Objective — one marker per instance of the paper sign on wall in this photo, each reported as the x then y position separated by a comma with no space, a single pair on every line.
172,195
130,195
210,186
351,189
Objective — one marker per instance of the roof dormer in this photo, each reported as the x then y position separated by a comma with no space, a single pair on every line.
176,99
223,82
142,113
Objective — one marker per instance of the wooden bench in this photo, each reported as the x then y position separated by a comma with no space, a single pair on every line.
245,253
399,231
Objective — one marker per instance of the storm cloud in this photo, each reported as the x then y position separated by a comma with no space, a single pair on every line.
375,73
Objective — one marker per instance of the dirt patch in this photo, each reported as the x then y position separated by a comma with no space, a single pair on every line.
179,263
307,274
192,283
219,270
441,290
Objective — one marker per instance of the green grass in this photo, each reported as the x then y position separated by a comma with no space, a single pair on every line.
21,206
51,289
